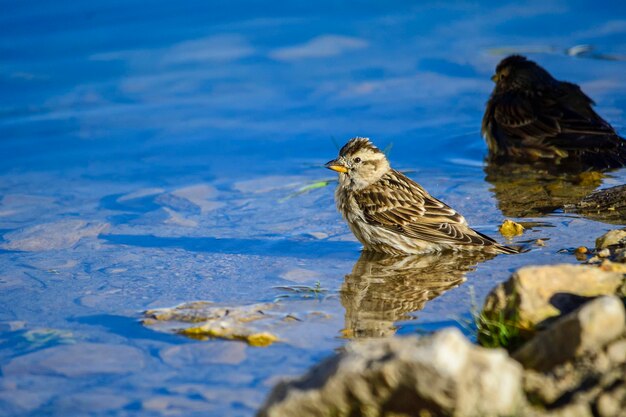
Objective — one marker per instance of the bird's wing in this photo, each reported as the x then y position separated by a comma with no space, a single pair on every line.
399,204
561,118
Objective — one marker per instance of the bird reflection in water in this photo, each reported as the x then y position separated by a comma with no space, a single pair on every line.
381,289
533,190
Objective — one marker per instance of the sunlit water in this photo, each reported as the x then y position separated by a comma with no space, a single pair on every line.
149,153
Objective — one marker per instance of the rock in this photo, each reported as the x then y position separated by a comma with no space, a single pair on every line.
590,328
617,351
443,374
609,266
607,205
509,228
203,354
79,360
86,403
610,238
204,320
202,195
589,381
49,236
169,405
612,404
536,293
260,324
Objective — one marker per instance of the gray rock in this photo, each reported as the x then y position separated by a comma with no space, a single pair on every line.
78,360
534,294
588,382
610,238
49,236
588,329
443,374
203,354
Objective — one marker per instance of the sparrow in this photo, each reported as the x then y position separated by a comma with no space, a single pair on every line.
531,116
390,213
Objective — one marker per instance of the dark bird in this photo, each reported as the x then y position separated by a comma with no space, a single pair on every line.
390,213
531,116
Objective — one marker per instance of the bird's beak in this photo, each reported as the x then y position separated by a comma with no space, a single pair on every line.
336,165
494,77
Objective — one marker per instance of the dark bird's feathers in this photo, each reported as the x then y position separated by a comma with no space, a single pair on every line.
358,144
532,116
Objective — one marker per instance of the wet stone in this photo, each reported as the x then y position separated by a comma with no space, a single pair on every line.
13,401
49,236
28,392
509,229
256,324
300,275
91,402
201,354
534,294
174,405
78,360
610,238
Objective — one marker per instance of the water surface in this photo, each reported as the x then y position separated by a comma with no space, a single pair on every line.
149,156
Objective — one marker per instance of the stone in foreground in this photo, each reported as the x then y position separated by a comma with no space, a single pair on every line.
443,374
610,238
534,294
588,329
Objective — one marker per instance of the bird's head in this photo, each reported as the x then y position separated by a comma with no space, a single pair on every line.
516,73
359,164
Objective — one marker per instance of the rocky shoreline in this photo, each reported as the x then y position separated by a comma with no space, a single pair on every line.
564,354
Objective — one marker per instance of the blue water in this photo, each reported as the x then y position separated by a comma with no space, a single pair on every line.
150,151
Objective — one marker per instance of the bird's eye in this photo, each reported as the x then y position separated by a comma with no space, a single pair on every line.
357,160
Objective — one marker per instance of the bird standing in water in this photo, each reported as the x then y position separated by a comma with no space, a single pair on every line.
390,213
531,116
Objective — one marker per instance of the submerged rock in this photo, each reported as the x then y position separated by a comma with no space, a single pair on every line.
50,236
204,320
77,361
255,324
443,374
534,294
509,229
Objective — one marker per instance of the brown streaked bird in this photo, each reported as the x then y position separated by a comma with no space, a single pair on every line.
383,289
390,213
531,116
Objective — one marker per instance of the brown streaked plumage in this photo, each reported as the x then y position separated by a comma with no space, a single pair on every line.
531,116
383,289
390,213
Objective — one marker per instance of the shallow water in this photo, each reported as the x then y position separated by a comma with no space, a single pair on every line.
151,154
